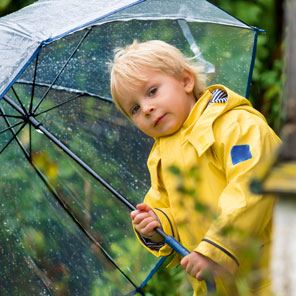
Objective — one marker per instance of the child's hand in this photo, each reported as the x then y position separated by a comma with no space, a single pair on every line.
144,220
199,266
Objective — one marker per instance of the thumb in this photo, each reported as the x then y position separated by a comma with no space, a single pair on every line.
143,207
184,261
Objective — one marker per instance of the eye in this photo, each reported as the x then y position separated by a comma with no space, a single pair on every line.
152,91
135,109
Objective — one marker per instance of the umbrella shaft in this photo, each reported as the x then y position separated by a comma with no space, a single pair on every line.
86,167
38,126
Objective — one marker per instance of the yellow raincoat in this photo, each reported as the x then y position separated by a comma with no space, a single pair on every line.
215,214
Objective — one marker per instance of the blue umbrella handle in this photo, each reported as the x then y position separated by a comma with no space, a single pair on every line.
175,245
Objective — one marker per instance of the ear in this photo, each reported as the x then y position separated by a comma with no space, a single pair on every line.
188,81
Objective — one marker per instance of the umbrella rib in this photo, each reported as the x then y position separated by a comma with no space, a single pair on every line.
62,69
76,220
67,89
15,106
40,273
14,137
28,157
33,84
11,126
66,207
30,140
59,105
12,131
13,116
18,99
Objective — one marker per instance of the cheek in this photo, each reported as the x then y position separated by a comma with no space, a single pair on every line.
140,124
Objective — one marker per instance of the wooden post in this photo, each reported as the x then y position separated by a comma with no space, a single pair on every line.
284,243
278,175
284,248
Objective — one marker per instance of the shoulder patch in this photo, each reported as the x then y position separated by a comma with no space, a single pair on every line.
240,153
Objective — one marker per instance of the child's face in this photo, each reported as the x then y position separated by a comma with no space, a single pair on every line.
159,105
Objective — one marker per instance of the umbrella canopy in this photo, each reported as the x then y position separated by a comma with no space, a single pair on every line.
66,152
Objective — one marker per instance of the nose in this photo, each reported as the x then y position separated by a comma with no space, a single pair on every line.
147,108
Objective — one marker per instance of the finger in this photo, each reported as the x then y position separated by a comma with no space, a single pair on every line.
149,221
149,231
133,214
143,207
184,262
199,276
140,217
190,268
190,265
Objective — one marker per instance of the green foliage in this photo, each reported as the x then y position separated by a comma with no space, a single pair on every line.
267,82
169,281
9,6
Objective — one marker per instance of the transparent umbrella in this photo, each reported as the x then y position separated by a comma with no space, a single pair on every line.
71,165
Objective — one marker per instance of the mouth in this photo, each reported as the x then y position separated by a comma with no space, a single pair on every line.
159,120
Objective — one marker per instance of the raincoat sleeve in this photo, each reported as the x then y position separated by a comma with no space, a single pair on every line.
241,141
157,199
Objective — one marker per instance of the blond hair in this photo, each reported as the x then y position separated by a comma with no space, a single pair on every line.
155,55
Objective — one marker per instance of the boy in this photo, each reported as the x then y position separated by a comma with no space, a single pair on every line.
162,92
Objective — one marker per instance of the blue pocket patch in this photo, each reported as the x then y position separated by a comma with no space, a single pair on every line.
240,153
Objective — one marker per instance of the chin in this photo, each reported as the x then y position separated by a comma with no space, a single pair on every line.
168,133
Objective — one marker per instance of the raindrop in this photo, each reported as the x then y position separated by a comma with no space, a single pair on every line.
39,131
